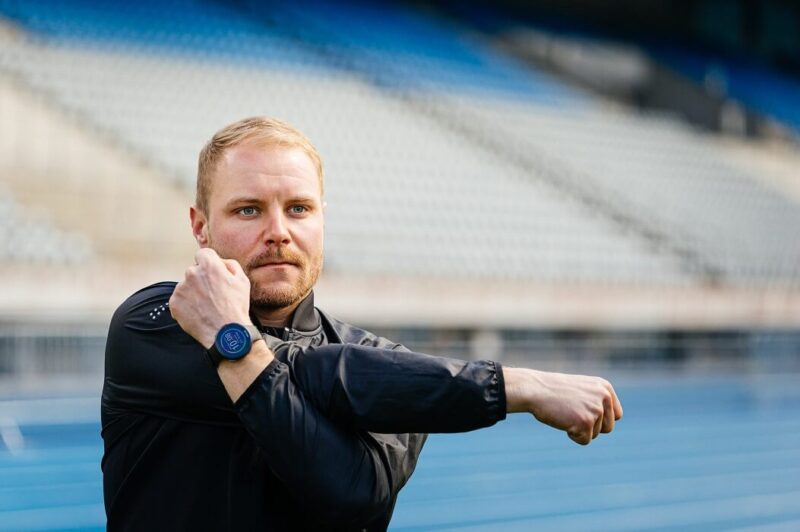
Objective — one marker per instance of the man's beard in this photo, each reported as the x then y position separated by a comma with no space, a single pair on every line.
269,297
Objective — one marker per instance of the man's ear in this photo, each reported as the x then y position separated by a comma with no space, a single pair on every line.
199,226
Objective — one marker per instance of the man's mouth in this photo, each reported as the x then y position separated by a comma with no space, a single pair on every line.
275,261
275,264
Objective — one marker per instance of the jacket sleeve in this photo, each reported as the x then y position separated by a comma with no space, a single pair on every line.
394,391
324,400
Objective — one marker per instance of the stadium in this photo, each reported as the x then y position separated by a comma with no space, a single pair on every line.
590,187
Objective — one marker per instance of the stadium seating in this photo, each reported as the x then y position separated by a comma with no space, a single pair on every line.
667,177
443,158
30,238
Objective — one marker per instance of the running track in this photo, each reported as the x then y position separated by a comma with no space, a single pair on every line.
690,454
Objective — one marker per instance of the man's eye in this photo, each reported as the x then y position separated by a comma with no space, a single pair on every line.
297,209
248,211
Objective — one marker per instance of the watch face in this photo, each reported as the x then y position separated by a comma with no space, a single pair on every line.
233,341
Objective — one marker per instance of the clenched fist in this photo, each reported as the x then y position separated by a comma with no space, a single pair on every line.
214,292
582,406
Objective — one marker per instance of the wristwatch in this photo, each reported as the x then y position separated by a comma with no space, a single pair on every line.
233,342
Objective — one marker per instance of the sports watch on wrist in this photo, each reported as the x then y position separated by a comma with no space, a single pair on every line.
233,342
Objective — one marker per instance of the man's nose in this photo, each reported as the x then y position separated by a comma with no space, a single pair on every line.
276,232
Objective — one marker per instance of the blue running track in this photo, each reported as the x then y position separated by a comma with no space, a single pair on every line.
690,454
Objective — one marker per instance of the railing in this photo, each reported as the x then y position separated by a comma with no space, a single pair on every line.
33,356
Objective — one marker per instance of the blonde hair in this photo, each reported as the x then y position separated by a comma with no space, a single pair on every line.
262,129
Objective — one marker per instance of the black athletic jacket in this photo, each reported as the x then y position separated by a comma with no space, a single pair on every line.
324,438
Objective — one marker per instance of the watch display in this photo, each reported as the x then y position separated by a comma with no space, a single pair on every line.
233,342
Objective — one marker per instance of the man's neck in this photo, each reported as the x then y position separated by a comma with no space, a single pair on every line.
277,317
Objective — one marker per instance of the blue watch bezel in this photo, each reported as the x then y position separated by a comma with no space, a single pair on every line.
233,348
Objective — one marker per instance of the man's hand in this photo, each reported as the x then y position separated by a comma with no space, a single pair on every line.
214,292
582,406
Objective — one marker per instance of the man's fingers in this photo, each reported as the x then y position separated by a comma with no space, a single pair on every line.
586,429
617,406
207,258
608,415
233,266
171,303
189,272
203,255
598,426
583,406
582,437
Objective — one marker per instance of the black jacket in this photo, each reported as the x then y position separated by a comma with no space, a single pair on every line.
324,438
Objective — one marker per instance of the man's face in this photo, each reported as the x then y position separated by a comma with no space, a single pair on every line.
265,211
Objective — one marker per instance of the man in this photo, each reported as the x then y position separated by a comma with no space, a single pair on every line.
206,427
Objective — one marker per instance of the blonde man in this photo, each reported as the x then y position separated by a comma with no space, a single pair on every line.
318,426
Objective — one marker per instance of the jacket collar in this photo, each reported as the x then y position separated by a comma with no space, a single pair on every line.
305,318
